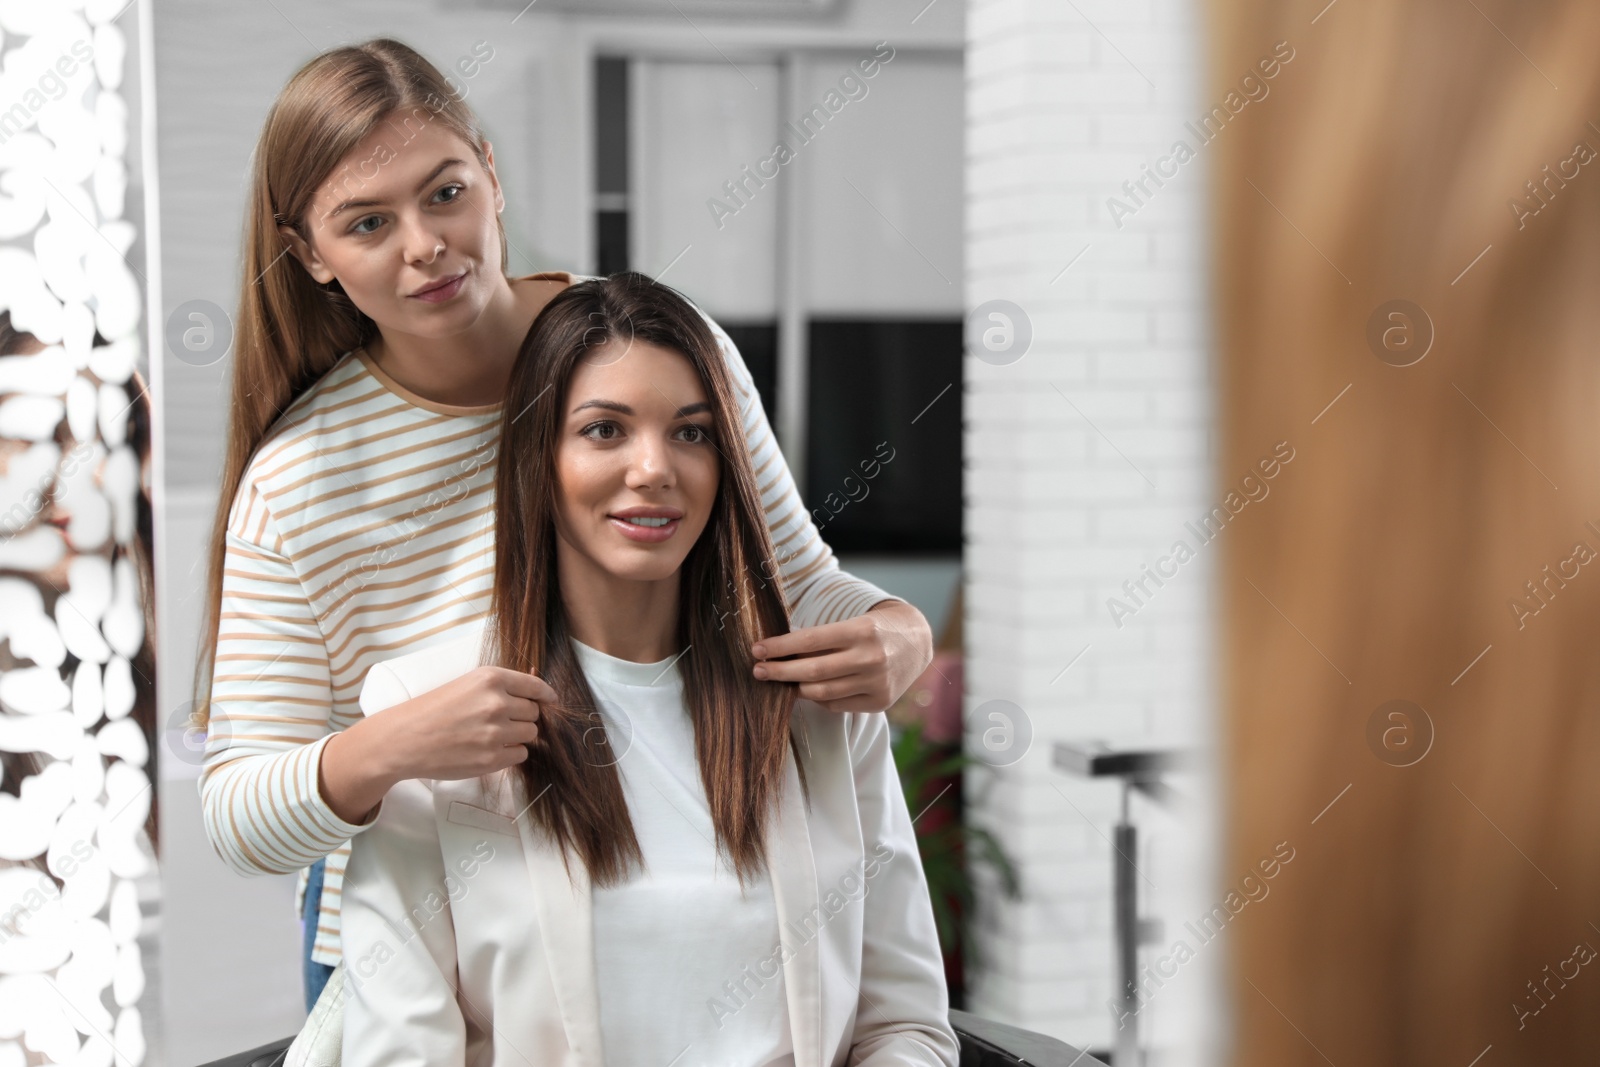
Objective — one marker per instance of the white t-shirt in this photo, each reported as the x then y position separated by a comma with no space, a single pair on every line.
686,964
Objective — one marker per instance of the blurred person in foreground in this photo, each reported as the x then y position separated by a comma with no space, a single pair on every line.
1407,267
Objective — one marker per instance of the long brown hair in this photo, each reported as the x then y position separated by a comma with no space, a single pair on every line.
290,330
1424,154
741,724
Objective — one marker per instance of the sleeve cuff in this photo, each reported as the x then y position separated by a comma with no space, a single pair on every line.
857,597
339,830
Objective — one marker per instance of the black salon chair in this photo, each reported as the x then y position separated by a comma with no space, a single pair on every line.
983,1044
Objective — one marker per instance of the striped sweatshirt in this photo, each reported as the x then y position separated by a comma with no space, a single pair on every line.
363,528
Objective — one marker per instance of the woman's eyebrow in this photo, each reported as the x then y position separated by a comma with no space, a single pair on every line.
423,184
623,409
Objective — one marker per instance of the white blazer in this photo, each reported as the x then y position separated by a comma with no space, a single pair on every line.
465,941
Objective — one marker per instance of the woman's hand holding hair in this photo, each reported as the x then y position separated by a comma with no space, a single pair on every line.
859,664
476,724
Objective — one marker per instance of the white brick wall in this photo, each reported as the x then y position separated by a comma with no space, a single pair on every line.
1059,516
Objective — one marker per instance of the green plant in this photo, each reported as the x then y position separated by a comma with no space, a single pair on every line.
946,843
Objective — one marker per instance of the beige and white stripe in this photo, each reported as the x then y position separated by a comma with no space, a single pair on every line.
363,529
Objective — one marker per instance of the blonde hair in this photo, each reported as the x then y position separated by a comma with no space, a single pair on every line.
290,330
1421,909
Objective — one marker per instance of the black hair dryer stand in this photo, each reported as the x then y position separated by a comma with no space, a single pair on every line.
1141,770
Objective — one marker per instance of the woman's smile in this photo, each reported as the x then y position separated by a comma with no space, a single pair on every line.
647,525
443,289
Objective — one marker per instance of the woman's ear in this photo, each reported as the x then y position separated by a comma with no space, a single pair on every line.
494,180
306,254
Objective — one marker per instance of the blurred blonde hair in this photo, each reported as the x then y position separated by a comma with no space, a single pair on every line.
1423,902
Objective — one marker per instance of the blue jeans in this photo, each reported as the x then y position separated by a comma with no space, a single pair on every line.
315,974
